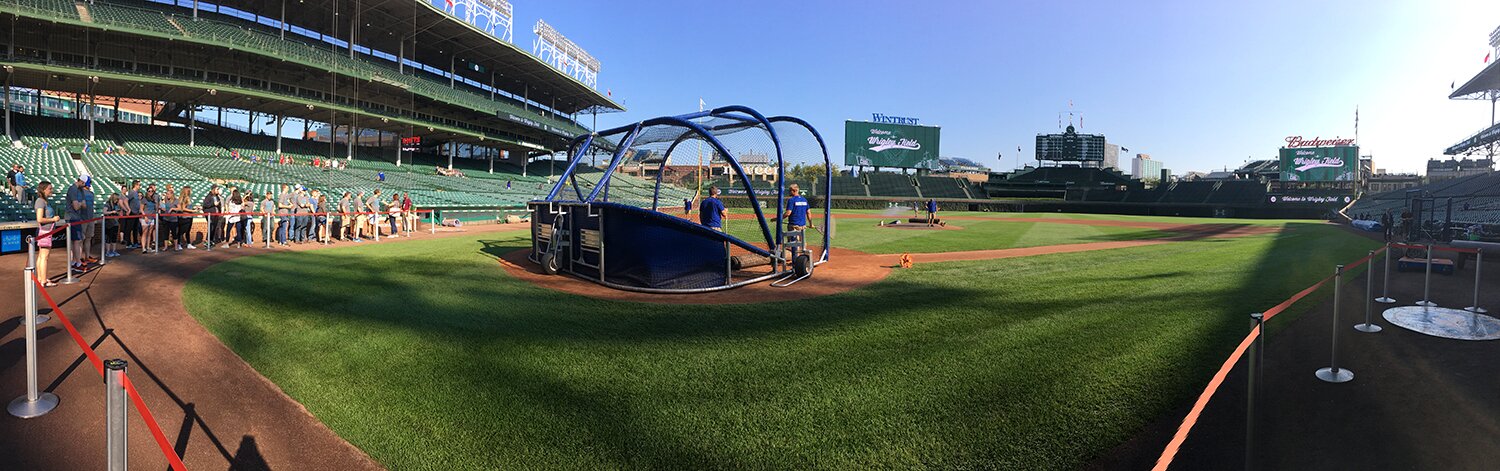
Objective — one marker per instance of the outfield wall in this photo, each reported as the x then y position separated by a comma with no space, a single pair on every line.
1061,206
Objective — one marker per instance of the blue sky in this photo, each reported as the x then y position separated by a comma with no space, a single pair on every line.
1198,85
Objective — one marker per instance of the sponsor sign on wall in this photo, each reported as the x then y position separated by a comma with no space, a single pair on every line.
1319,164
891,145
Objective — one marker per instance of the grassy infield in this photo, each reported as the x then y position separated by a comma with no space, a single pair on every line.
427,356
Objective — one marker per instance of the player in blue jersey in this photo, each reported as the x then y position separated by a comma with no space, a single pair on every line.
796,210
711,212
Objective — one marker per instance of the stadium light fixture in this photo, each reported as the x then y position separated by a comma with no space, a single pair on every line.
562,54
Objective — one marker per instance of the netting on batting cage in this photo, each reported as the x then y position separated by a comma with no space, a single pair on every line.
639,185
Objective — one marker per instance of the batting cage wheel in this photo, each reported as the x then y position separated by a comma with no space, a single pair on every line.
549,263
614,195
802,265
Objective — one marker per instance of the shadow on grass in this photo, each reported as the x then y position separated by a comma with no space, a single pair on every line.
469,301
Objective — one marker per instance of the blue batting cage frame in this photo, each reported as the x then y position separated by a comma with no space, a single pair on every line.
640,248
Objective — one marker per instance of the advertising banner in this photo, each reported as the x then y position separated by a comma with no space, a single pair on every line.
891,145
1319,164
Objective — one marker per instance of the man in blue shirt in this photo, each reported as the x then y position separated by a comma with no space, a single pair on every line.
79,206
932,210
20,182
711,212
796,210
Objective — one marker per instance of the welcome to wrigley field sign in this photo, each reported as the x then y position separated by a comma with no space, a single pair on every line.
891,141
1319,160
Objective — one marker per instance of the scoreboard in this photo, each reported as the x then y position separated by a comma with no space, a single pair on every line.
1070,146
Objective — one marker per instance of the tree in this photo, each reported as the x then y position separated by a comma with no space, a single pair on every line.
814,172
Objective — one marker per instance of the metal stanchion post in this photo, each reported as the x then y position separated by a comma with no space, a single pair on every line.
115,408
156,234
266,222
1478,264
68,231
103,258
34,403
1369,326
208,232
1427,282
375,227
1385,290
1252,382
28,288
1333,373
432,221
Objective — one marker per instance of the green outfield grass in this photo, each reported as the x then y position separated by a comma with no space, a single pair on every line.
1100,217
426,355
865,236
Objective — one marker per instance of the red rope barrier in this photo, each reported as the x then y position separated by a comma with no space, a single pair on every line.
161,438
1218,379
67,324
135,396
60,226
1208,393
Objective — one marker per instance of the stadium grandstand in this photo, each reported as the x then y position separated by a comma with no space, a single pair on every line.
1461,195
214,93
1474,199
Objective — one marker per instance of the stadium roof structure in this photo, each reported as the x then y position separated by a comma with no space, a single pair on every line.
226,55
1484,86
432,36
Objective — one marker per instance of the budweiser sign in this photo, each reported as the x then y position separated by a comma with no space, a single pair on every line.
1298,141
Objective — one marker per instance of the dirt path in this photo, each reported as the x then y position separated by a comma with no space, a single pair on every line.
849,269
216,409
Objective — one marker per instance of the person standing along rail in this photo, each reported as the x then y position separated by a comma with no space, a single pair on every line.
46,218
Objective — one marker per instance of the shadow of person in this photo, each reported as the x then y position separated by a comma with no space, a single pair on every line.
247,457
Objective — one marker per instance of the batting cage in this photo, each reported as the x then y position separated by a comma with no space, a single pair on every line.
621,213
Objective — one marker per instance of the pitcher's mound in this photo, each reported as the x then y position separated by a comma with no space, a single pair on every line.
904,224
846,270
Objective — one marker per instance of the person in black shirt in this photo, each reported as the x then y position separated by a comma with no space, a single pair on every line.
213,202
1385,223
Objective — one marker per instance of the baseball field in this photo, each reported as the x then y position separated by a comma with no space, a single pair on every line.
427,354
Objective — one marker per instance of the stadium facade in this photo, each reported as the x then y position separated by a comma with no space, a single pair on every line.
404,67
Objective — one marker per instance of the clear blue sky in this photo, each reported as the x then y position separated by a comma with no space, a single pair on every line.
1198,85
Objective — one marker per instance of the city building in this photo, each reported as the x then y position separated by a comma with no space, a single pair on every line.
1142,167
1111,155
1439,170
1382,182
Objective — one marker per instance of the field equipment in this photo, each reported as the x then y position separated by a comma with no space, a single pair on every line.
605,225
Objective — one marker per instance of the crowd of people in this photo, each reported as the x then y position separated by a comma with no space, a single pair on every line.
154,219
448,172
